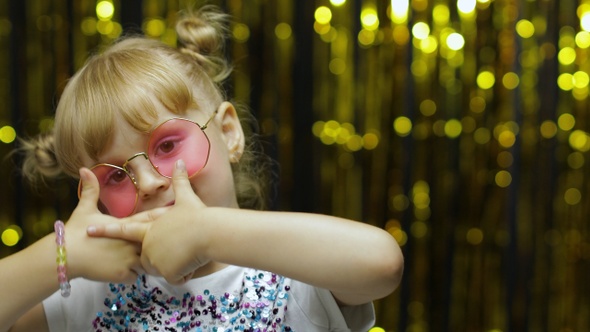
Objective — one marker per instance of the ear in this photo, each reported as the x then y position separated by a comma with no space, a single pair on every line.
232,131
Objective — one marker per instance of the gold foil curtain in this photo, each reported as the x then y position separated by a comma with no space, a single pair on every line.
461,127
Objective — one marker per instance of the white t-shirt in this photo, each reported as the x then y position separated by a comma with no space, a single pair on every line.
232,299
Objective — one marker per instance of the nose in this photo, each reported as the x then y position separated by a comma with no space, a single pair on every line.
149,181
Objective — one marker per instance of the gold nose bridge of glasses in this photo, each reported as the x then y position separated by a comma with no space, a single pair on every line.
145,156
133,157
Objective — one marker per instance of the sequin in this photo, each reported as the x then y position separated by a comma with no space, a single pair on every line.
260,305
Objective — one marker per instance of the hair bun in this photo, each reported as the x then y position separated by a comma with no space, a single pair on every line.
39,162
202,35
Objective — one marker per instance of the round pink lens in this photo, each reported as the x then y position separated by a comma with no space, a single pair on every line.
178,139
118,193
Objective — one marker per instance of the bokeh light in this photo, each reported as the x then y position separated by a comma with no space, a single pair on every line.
428,107
567,56
566,122
572,196
548,129
525,28
455,41
323,15
370,19
283,31
376,329
585,21
510,80
466,6
241,32
486,80
399,11
503,179
105,10
579,140
453,128
441,14
402,126
11,235
583,39
154,27
474,236
421,30
337,3
7,134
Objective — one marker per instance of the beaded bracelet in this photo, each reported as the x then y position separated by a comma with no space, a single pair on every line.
62,278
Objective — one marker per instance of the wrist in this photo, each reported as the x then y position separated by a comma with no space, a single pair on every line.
221,224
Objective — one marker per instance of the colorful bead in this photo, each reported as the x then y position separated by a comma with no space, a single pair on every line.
61,260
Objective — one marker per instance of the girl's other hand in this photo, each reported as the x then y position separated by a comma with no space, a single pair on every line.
174,244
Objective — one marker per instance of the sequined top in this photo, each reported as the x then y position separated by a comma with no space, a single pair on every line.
232,299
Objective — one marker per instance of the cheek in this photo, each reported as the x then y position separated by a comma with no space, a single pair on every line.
218,161
215,184
219,157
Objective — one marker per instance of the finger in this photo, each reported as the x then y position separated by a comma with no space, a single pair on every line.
181,183
146,216
125,231
90,189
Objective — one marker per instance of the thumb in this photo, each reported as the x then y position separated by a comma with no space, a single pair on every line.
181,183
88,189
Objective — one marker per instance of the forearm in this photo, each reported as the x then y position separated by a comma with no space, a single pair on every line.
27,278
357,262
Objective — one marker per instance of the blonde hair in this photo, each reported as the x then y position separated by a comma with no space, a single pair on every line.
123,81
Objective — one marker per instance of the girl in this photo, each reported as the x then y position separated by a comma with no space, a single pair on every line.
168,234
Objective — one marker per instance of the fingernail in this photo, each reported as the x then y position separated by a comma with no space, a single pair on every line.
91,229
82,174
180,165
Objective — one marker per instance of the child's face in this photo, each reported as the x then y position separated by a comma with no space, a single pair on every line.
213,183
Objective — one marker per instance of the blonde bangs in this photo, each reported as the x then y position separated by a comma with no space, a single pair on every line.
120,84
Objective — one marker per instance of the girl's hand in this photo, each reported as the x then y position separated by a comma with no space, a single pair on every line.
100,259
175,244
